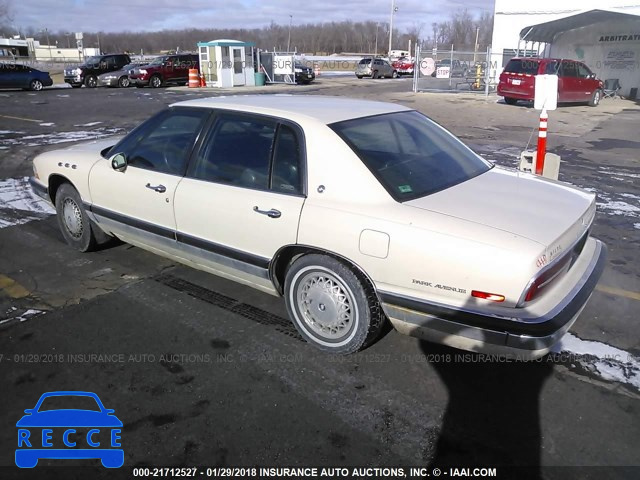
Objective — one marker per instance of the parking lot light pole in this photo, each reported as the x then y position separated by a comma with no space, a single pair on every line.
394,9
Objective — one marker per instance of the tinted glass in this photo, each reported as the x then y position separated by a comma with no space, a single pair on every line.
166,144
569,69
522,65
364,61
551,68
583,71
285,173
238,152
409,154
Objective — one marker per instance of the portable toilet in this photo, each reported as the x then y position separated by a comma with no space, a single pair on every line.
227,63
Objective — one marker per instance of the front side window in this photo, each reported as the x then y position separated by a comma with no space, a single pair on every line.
410,155
164,142
251,152
583,71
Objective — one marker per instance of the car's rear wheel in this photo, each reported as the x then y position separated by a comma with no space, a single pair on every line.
374,74
35,85
510,101
331,305
91,81
76,227
124,82
155,81
595,98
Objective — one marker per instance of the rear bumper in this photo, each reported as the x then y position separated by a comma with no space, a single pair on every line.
520,334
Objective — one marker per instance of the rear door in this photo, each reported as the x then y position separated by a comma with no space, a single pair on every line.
243,194
569,90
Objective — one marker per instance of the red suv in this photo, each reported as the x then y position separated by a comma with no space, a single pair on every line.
576,83
165,69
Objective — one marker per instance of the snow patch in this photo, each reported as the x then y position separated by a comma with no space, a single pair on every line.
47,124
18,203
23,317
90,124
608,362
636,225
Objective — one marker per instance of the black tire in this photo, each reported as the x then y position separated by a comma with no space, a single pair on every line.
596,96
510,101
359,77
76,227
124,82
348,316
155,81
374,74
91,81
35,85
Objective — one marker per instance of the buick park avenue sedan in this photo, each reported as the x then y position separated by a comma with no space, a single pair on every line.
356,212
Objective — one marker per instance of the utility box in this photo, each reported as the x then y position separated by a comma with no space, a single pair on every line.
551,164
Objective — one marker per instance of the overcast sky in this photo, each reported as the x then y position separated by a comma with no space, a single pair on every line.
149,15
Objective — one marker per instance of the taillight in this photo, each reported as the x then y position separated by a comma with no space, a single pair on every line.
494,297
545,279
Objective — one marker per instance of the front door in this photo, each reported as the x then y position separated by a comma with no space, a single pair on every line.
242,196
137,203
237,57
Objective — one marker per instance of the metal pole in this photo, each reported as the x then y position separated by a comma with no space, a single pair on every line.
393,9
376,53
451,66
289,41
487,72
475,49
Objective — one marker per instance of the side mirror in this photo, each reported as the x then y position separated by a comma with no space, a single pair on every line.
119,162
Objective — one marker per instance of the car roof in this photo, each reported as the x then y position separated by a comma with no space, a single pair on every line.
324,109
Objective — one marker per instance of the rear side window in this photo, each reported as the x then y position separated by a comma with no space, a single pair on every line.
569,69
522,65
410,155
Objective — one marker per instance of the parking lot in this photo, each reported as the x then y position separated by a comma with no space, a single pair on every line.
203,371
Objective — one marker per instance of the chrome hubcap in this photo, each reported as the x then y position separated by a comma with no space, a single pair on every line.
325,304
72,217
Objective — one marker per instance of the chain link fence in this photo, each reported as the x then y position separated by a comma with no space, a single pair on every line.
454,71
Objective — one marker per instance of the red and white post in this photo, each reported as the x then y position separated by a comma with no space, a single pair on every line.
542,142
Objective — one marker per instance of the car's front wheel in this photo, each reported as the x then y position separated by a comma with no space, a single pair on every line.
124,82
331,306
595,98
394,74
73,221
35,85
155,81
91,81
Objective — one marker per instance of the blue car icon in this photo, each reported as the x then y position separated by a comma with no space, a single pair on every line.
69,433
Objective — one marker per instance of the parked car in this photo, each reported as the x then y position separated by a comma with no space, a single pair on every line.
457,68
304,74
164,70
354,211
404,66
87,73
119,78
576,82
15,75
375,68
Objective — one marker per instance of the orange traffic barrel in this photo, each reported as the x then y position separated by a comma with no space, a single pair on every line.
194,79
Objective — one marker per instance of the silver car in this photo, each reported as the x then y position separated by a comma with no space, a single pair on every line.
375,68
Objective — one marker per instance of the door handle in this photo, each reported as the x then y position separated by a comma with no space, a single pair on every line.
273,213
157,188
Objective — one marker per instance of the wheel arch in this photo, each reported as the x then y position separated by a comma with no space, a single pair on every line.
55,182
287,254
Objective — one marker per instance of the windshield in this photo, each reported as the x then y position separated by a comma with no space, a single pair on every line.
410,155
158,60
92,60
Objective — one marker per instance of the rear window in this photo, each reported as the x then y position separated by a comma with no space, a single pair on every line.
523,65
364,61
410,155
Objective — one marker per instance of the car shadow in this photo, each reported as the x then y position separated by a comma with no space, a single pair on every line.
492,418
